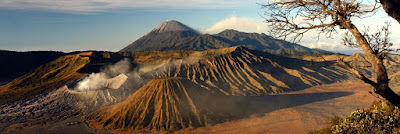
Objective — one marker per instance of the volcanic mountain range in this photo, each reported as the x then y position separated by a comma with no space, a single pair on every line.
173,35
169,84
234,71
244,71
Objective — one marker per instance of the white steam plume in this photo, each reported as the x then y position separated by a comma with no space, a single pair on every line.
103,79
98,80
93,81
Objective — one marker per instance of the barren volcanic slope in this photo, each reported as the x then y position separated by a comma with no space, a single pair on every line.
360,62
171,104
161,104
240,71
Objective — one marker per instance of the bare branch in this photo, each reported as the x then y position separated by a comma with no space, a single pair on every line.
293,18
378,41
317,26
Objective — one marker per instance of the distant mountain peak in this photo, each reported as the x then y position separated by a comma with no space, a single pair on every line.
165,33
231,31
172,26
236,31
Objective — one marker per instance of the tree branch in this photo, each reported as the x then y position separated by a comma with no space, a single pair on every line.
392,8
317,26
356,72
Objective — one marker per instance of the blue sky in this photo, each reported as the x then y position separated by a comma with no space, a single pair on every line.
69,25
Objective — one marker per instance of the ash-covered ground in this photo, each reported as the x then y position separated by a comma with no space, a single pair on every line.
62,104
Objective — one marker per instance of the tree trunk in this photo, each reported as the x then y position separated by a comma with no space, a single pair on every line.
392,8
382,85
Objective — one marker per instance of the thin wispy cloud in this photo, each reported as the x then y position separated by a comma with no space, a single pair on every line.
89,6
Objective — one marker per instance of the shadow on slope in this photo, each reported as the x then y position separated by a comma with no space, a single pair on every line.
15,64
244,106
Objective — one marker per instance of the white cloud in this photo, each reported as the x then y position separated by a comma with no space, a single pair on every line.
238,23
253,25
330,46
87,6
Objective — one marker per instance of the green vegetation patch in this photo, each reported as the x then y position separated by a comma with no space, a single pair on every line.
380,117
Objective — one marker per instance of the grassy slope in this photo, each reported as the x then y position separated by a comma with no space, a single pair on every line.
157,56
44,78
16,64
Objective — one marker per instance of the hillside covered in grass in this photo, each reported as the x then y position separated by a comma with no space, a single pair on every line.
15,64
44,78
55,74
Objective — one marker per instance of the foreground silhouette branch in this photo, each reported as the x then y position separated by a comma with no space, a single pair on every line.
391,7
